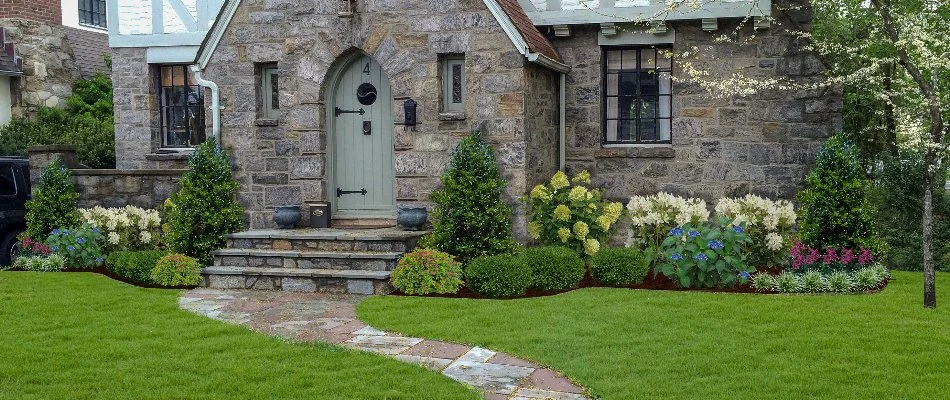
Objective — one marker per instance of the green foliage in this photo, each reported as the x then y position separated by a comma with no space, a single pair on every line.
575,217
840,282
204,209
788,282
619,266
814,282
704,255
898,197
52,263
835,210
470,219
93,136
176,270
92,96
498,276
427,271
866,279
53,204
134,265
763,282
81,247
555,268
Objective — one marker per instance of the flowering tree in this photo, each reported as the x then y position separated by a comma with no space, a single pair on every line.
898,49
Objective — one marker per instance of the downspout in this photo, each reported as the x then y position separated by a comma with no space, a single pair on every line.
562,122
215,103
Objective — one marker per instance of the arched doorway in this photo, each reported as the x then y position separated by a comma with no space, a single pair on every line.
360,122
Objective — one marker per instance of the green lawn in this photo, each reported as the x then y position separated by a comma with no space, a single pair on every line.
85,336
630,344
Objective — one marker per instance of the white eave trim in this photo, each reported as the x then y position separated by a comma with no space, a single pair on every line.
520,43
214,36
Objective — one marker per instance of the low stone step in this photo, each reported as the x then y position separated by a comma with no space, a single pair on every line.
326,239
337,260
297,280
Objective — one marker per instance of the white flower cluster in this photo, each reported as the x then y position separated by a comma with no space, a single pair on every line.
666,209
126,228
772,218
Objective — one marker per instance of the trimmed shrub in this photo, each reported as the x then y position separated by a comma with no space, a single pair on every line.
81,247
54,202
204,210
176,270
555,268
835,210
427,271
498,276
134,265
470,219
619,266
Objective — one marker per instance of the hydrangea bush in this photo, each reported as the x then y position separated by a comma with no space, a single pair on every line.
654,216
126,228
567,212
81,247
704,255
767,223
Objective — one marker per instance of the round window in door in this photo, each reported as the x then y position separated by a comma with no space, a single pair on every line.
366,94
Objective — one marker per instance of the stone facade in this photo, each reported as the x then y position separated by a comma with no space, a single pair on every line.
762,144
49,67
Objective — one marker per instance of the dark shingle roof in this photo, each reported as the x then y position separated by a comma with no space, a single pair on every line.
88,49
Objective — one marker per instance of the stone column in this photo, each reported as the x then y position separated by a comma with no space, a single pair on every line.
41,156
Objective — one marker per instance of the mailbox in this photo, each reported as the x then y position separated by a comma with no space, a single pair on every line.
319,215
409,106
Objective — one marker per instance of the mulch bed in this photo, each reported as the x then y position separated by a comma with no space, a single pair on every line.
651,282
102,270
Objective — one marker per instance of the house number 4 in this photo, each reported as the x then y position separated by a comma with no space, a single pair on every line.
366,69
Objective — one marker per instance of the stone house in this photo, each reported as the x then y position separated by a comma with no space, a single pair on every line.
358,103
45,45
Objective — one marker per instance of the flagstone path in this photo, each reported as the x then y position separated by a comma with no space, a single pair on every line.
332,318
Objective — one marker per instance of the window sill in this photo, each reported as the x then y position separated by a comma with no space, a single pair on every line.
170,155
635,151
452,116
265,122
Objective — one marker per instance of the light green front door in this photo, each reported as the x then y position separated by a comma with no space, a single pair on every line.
362,124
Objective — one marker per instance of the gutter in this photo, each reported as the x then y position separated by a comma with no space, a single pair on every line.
215,103
562,122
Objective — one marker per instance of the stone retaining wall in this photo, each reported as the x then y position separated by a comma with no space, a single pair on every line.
145,188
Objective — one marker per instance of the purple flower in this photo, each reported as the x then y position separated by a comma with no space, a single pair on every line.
715,244
676,257
676,231
701,257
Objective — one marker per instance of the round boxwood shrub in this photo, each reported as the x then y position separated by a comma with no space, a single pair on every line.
554,267
619,266
136,266
498,276
426,271
177,270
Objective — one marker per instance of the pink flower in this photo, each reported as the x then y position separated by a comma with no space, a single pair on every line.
830,256
865,256
847,256
797,250
813,256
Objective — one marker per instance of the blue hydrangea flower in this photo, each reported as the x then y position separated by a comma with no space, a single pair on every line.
744,275
693,233
738,229
95,230
701,257
65,232
715,244
72,248
80,240
676,231
55,248
99,260
676,257
56,231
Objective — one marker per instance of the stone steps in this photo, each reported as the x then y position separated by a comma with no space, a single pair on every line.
297,280
329,239
339,260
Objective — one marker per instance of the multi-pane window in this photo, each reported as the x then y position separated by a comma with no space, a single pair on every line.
637,101
453,83
93,13
270,92
182,107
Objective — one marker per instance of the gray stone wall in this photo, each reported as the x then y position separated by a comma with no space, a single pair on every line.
762,144
286,163
137,117
49,68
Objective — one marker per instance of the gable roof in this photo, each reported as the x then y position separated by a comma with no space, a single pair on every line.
523,34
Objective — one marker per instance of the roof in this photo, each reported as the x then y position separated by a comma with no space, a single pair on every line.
537,42
88,48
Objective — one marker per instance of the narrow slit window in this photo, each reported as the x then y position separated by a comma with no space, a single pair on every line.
182,107
637,96
270,92
453,83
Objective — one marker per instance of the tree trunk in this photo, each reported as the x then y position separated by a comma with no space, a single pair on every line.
930,295
889,122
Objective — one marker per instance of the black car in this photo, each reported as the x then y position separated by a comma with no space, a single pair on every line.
14,192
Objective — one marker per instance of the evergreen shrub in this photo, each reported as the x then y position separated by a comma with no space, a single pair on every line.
619,266
498,276
555,268
134,265
53,204
427,271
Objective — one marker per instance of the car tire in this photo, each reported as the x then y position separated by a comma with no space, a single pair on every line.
10,247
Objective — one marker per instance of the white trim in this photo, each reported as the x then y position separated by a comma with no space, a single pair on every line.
213,37
519,41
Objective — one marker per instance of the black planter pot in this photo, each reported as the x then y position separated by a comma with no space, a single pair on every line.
286,217
411,218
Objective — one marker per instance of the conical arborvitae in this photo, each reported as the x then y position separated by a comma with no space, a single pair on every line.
470,219
54,203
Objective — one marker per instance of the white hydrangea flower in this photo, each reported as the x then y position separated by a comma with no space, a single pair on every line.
145,237
113,238
773,241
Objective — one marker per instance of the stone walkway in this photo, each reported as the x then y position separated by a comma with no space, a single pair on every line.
332,318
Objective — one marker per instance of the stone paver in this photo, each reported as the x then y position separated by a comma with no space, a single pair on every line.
331,318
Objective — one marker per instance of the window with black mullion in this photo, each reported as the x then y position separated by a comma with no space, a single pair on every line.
181,107
637,103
